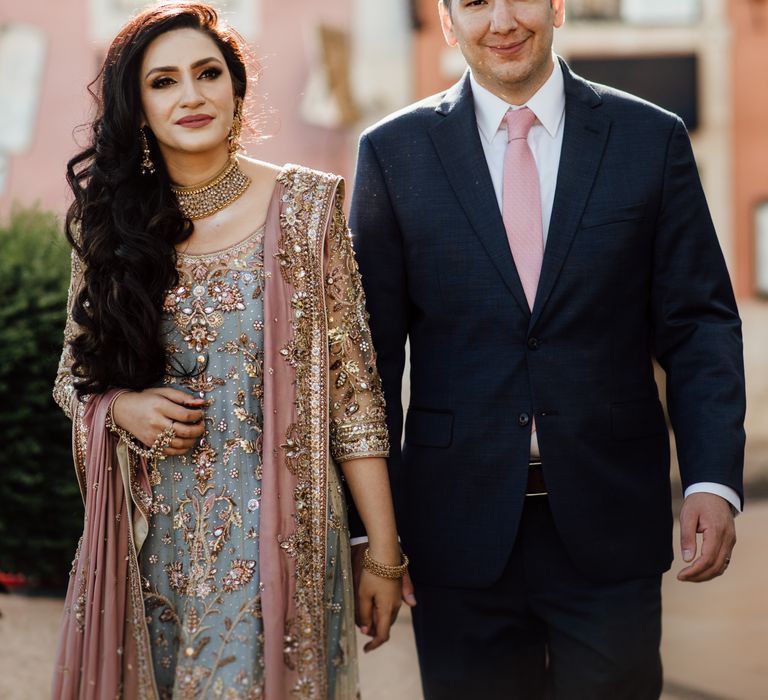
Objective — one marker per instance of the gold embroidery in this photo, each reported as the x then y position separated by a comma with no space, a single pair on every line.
305,201
63,388
78,607
329,327
358,427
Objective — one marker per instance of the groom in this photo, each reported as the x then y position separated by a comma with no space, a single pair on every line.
539,240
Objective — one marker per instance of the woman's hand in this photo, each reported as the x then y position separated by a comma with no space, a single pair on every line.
358,554
377,599
145,414
378,602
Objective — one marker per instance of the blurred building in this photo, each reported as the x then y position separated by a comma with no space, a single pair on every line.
316,84
330,68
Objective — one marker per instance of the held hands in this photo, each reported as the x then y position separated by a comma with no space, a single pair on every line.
377,599
145,414
710,515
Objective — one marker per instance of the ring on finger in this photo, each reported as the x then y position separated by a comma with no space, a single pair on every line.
163,440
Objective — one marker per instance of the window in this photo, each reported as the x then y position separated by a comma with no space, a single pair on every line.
668,81
653,12
107,16
594,9
761,249
22,60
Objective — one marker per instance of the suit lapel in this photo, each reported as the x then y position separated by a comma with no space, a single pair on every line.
584,139
458,146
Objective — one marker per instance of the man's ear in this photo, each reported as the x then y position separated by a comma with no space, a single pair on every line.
446,23
558,7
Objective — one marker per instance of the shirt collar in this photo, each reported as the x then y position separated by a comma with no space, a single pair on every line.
548,104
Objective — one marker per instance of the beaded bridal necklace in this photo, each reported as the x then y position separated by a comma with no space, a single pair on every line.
199,201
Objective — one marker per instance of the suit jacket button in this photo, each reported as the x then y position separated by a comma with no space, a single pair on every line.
533,343
523,419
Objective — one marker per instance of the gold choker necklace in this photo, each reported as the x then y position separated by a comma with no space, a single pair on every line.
199,201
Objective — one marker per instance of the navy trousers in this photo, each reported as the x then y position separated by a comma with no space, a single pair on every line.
543,631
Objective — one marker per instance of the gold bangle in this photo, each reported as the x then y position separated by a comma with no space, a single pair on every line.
384,570
162,441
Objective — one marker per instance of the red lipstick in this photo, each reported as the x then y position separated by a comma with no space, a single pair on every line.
195,121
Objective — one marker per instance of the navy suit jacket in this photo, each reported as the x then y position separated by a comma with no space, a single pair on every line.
632,271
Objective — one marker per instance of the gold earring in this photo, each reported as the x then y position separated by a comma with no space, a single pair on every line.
147,166
237,128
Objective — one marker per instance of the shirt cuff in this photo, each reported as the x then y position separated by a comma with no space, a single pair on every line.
721,490
362,540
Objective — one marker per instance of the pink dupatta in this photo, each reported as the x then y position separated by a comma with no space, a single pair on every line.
103,648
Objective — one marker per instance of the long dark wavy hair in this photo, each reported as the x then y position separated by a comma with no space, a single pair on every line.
125,225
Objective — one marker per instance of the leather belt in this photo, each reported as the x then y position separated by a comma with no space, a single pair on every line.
536,485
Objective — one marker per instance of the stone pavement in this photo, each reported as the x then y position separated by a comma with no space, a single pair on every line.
715,636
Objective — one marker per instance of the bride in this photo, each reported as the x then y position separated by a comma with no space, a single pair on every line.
219,373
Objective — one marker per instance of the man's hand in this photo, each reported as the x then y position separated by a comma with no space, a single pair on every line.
358,551
710,515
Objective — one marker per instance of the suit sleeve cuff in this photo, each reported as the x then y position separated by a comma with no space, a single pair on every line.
721,490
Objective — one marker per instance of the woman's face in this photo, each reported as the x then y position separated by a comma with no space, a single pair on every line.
186,93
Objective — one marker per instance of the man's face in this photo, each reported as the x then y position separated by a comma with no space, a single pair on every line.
507,43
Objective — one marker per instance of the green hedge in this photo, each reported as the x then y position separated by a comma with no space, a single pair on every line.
40,507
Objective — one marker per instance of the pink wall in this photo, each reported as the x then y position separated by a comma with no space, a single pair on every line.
281,49
72,62
428,48
749,133
38,174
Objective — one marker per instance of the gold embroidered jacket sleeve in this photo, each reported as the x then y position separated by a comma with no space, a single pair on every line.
357,421
63,388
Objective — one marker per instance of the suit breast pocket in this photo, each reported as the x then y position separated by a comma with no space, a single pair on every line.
604,216
425,428
631,420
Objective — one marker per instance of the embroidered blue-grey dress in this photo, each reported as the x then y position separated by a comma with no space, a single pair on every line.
200,560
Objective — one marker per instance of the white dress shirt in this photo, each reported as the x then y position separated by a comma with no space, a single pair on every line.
545,140
545,137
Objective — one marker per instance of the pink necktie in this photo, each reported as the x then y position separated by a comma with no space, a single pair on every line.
521,201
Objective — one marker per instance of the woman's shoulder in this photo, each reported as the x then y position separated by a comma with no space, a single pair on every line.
291,175
306,195
259,169
301,176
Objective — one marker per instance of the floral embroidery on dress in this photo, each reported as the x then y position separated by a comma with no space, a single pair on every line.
200,566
